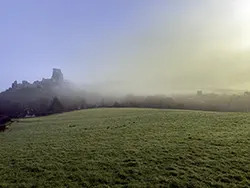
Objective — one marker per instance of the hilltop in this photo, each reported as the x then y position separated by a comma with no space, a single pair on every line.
26,98
30,91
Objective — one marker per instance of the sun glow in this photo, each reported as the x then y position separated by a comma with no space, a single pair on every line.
241,12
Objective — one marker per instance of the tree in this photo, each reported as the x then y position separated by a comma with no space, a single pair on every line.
56,106
199,93
116,104
83,104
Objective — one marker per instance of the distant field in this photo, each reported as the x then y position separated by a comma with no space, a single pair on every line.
127,148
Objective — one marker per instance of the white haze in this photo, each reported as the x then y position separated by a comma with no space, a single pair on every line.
205,45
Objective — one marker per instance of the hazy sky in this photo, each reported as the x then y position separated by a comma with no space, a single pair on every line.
145,45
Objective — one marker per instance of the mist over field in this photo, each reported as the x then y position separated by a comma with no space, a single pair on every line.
195,45
112,49
140,47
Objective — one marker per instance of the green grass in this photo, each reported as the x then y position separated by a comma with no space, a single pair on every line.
127,148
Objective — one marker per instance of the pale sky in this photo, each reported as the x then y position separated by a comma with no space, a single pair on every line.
142,45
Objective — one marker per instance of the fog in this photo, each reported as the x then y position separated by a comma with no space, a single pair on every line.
193,45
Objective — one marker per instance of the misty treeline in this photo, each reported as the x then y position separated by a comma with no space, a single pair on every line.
23,104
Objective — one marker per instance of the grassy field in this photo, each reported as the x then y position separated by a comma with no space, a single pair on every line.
127,148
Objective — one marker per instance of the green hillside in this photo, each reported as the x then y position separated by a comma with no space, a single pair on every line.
127,148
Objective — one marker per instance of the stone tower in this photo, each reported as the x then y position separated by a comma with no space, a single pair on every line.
57,75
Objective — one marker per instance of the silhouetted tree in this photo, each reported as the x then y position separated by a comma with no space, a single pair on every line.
55,106
116,104
199,93
83,104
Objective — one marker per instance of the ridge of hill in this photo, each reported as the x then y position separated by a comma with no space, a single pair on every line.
36,97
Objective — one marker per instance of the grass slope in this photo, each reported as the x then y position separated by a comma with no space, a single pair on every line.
127,148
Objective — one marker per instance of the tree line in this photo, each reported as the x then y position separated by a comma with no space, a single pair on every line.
57,104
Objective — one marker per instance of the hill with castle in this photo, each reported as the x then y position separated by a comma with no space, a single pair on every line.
35,98
55,95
